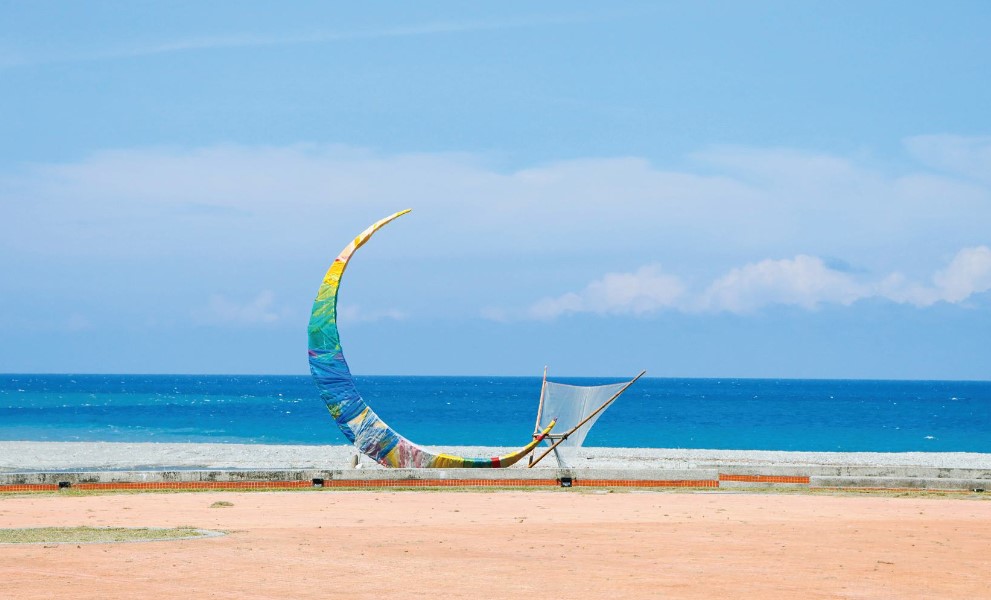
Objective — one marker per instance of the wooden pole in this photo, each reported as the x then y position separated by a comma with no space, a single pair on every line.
540,408
585,420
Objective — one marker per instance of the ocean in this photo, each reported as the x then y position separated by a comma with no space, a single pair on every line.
732,414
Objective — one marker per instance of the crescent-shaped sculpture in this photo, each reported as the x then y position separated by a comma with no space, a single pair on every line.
357,420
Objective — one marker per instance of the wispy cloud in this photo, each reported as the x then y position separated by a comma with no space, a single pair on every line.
260,310
965,155
744,201
11,59
356,314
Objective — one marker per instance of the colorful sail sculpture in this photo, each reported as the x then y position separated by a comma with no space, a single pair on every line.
359,423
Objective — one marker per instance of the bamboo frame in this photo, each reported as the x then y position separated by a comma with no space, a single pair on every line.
583,421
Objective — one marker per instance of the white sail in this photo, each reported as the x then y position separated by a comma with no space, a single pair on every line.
576,408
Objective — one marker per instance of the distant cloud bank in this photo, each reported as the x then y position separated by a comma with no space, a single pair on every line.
804,281
608,236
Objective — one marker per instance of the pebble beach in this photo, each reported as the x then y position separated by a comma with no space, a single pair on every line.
63,456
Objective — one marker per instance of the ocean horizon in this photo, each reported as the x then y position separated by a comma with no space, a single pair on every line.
713,413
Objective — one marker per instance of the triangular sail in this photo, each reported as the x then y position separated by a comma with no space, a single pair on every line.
574,409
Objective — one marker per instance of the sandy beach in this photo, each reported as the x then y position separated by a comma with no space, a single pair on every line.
49,456
507,544
582,543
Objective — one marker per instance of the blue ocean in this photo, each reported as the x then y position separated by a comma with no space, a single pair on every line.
741,414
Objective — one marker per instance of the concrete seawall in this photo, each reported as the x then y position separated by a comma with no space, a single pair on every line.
39,466
735,477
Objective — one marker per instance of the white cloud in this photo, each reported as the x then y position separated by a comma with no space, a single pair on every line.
645,291
967,274
714,221
260,310
804,281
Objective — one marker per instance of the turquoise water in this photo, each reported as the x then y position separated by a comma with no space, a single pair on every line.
743,414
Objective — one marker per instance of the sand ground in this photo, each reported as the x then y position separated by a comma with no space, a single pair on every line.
562,543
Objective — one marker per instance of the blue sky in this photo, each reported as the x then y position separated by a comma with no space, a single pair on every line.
716,190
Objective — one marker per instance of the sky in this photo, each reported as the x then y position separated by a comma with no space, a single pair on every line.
712,189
